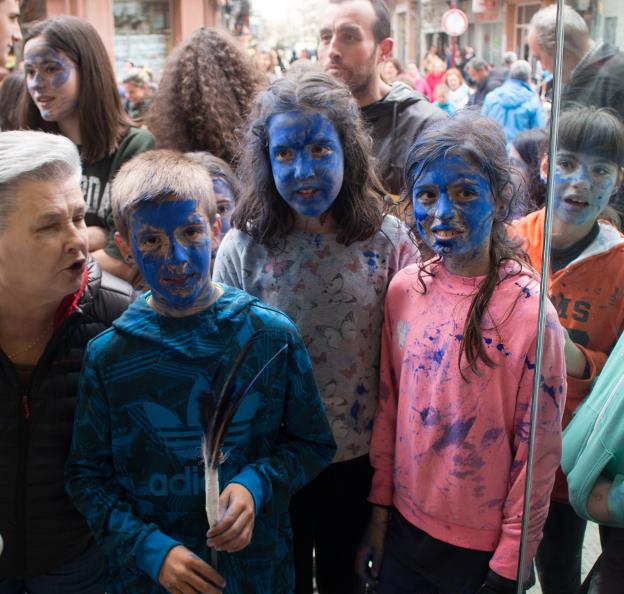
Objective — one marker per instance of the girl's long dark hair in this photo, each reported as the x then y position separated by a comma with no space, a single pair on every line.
358,208
480,141
12,91
102,118
531,145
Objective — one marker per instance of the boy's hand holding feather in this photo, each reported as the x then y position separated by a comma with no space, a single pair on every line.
234,530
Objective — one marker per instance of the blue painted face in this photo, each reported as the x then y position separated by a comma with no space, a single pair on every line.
51,80
454,207
170,241
583,186
307,161
225,202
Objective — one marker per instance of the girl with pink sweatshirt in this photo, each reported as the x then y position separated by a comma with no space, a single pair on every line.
450,439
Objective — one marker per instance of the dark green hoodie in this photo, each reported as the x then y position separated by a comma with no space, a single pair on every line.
97,178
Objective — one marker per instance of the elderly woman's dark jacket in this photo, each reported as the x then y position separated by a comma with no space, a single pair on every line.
40,527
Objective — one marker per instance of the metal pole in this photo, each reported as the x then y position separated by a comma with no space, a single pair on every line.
453,39
453,50
552,151
419,17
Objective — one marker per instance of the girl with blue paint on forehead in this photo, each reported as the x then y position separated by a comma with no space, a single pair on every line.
71,90
586,281
226,188
450,438
309,237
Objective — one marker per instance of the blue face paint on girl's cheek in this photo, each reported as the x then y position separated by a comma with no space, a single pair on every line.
579,185
307,161
51,81
450,226
48,58
171,244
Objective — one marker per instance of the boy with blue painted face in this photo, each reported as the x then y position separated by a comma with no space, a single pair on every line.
586,282
135,470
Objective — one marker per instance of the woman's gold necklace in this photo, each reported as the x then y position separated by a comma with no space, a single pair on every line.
33,344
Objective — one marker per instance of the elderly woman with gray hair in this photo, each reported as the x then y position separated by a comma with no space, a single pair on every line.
53,300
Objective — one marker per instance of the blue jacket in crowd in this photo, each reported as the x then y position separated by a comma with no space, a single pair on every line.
515,106
136,471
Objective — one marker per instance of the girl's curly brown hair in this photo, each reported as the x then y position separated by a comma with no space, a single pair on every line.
204,96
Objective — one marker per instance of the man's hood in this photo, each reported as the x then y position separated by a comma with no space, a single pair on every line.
513,93
191,336
400,96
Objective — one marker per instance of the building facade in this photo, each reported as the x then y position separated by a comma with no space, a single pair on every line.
495,26
143,31
609,22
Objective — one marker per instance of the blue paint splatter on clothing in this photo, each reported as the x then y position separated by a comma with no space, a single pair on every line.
551,391
491,436
371,259
525,290
454,434
429,416
438,356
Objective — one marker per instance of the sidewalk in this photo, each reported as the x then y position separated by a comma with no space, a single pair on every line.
591,551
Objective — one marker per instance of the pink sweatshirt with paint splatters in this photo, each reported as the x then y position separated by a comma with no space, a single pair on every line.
451,455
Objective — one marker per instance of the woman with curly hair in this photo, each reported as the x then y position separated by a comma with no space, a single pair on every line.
204,96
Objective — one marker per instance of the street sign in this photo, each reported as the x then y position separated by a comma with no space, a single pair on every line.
454,22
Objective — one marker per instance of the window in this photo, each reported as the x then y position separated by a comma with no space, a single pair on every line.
142,33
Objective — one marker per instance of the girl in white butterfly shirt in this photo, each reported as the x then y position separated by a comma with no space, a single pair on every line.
309,238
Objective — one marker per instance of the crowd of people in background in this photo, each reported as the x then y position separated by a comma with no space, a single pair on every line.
269,325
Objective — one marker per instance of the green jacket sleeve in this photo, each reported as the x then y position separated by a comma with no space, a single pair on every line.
593,442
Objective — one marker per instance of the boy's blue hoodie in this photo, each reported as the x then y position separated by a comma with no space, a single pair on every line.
135,469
